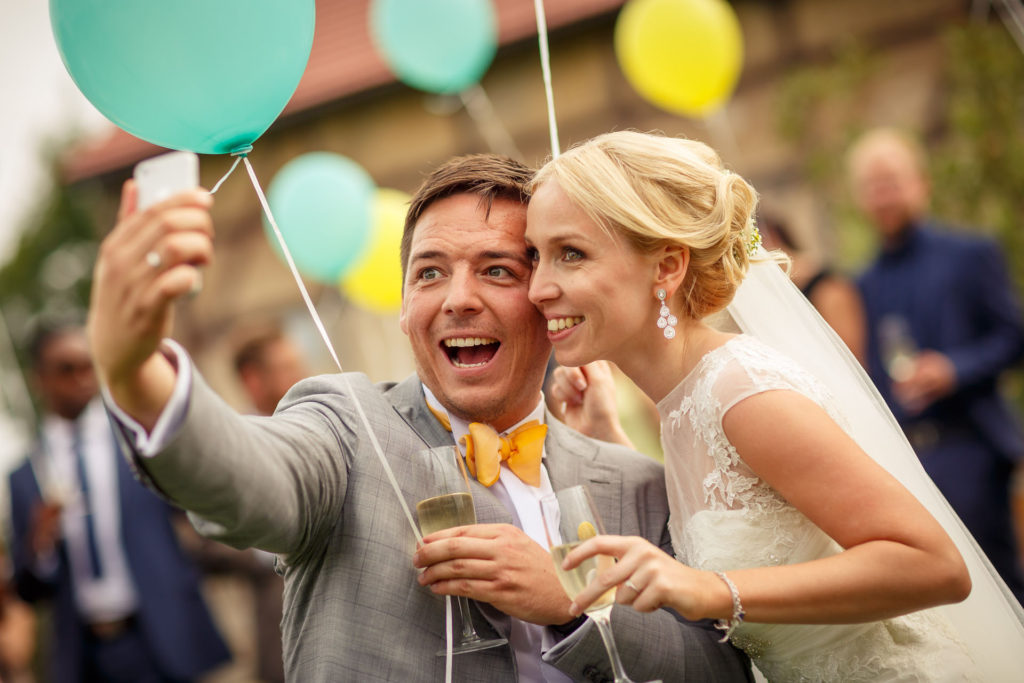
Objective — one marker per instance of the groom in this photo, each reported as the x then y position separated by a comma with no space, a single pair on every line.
361,601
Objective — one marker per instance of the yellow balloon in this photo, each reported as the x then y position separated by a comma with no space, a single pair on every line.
375,283
681,55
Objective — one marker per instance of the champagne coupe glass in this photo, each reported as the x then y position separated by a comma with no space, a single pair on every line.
453,506
576,520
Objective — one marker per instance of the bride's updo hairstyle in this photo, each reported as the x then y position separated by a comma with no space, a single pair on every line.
655,190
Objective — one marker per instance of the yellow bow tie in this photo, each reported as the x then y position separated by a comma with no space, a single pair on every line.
486,450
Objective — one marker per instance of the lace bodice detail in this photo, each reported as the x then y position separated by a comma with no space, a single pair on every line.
724,517
705,473
723,378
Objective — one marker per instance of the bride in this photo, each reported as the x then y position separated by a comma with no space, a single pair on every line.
801,519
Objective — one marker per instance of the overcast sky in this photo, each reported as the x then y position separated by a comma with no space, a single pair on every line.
38,101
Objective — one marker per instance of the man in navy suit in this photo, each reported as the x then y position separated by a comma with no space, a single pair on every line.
943,325
101,546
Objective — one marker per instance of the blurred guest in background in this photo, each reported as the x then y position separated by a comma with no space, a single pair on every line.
268,364
245,595
943,325
88,536
833,295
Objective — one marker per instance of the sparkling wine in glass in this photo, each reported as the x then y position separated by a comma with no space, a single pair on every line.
897,347
576,520
453,506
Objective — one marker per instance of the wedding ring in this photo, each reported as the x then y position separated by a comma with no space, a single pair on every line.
630,584
153,259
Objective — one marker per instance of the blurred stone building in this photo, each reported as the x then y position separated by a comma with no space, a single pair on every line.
349,103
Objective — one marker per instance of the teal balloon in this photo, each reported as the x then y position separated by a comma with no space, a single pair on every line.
323,205
208,76
441,46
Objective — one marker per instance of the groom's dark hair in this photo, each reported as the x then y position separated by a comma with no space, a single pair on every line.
489,176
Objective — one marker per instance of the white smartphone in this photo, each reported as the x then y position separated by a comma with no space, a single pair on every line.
161,176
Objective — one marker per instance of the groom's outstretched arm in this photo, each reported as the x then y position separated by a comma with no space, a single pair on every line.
276,483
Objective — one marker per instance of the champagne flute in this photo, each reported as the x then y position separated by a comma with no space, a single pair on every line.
897,347
575,521
453,506
59,490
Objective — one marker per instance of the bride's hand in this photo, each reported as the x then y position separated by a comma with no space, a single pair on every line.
646,578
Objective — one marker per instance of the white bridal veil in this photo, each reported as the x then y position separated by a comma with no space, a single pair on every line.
768,306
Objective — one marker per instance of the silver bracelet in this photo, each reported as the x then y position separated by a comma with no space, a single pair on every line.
737,609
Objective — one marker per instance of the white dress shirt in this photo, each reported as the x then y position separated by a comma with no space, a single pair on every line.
111,595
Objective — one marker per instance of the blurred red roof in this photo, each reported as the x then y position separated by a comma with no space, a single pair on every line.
341,38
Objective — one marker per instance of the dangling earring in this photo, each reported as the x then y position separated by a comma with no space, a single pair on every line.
666,321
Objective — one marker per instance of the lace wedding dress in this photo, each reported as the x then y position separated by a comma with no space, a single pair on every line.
725,518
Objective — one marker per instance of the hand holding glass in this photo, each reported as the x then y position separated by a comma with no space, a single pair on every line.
576,521
453,506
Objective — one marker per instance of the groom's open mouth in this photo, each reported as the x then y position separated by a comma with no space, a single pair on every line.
470,352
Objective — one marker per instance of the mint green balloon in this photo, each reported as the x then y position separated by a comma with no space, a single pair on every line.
323,205
440,46
208,76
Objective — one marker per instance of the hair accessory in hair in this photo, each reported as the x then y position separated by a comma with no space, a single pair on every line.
753,239
666,321
754,235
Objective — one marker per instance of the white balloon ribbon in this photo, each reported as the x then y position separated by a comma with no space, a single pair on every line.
545,65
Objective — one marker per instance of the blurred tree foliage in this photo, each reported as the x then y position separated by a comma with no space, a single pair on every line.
975,142
50,272
821,111
978,168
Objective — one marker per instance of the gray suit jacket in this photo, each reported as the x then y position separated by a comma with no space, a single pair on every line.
306,484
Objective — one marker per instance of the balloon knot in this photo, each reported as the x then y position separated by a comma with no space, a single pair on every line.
241,151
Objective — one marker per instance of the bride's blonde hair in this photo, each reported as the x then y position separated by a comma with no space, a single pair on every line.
655,190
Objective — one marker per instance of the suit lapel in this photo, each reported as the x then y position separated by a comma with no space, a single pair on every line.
408,401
